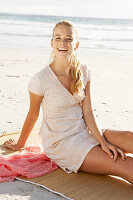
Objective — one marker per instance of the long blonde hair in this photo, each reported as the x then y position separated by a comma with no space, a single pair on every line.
76,70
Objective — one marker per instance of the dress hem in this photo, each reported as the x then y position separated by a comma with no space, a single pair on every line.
83,157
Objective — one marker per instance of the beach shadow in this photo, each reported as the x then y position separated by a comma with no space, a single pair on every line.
5,151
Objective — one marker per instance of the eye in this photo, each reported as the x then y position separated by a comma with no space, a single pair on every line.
69,39
57,38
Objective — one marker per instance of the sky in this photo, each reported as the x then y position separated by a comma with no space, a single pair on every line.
82,8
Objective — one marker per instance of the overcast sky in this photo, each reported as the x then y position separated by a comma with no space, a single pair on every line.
84,8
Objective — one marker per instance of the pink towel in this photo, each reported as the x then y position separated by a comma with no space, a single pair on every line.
31,163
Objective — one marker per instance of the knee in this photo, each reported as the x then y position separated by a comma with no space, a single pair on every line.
127,170
129,135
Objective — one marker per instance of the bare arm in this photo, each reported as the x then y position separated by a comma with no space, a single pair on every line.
32,116
89,116
95,129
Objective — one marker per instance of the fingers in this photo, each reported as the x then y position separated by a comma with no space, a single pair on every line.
116,151
113,151
13,147
122,153
10,141
108,152
11,144
113,155
7,142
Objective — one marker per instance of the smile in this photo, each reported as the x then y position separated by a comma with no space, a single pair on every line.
62,49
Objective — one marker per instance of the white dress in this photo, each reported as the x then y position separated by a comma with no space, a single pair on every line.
65,136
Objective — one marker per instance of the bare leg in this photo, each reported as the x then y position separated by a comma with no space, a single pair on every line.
97,161
121,139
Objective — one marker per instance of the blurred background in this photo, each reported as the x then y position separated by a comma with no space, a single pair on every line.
105,29
104,25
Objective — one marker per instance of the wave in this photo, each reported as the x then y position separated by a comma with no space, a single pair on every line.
94,33
106,48
84,23
88,27
27,35
80,38
130,28
108,39
76,20
23,23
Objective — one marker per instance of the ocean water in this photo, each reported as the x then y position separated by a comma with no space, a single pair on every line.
95,34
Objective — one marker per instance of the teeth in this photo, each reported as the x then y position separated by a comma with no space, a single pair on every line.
62,49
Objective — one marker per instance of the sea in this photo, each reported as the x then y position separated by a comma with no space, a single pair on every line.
95,34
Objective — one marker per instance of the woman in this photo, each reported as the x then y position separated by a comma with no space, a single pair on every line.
70,134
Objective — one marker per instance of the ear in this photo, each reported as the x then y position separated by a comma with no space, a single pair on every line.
52,42
77,45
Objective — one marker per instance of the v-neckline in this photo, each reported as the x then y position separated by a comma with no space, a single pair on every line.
59,81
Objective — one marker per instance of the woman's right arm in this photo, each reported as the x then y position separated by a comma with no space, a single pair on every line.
32,116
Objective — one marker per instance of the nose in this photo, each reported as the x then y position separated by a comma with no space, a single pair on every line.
63,42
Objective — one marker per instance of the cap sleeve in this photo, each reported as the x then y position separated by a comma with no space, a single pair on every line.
34,86
86,74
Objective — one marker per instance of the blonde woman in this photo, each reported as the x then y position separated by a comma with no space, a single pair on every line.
70,134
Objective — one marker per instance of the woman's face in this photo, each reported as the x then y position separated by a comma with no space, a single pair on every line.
64,42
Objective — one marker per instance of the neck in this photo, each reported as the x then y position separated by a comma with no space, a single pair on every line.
61,66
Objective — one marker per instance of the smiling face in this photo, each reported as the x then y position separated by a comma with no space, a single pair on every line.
64,41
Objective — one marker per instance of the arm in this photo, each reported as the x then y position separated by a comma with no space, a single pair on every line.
32,116
89,116
94,128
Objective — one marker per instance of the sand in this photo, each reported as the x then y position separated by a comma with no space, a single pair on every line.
18,190
111,86
112,98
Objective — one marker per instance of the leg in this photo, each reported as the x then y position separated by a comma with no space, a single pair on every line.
121,139
97,161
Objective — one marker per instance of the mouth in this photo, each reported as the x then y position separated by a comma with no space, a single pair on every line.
62,49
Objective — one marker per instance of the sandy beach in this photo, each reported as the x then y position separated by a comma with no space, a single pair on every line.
18,190
111,86
106,45
112,95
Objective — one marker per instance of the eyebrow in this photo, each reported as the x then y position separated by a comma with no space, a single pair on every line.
66,35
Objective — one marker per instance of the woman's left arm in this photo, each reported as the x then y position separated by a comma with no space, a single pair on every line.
93,126
89,117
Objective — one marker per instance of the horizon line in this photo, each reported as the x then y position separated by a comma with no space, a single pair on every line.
41,15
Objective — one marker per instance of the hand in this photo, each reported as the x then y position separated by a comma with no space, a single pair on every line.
107,147
12,144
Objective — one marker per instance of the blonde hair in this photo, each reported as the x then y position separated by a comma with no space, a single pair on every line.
76,71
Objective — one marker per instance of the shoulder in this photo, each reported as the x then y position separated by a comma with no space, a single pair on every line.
42,73
38,81
41,76
86,73
85,68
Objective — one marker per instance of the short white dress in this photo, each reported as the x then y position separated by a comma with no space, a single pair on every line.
66,139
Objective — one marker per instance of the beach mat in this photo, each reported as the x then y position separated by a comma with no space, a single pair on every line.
80,186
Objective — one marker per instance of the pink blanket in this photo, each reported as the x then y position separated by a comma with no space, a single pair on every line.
31,163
